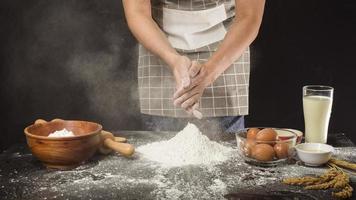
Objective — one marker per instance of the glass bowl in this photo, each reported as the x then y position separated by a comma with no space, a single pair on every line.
266,153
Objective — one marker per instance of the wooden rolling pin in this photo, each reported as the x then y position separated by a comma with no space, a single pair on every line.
109,142
120,139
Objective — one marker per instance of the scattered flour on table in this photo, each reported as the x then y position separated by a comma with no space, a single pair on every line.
62,133
113,177
188,147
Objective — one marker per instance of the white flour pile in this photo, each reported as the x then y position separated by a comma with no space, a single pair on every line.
188,147
62,133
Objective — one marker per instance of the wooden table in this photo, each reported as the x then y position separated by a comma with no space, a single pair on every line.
116,177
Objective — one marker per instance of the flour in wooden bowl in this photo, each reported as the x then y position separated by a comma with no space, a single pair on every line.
188,147
61,133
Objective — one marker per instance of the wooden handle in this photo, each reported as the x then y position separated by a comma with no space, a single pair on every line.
107,134
40,121
122,148
57,120
120,139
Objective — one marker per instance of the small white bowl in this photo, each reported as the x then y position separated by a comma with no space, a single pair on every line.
314,154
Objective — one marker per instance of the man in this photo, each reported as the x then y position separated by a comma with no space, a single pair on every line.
194,57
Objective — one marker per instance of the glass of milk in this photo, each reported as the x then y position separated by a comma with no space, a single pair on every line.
317,103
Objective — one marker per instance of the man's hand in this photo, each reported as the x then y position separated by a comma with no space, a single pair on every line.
184,70
188,97
180,69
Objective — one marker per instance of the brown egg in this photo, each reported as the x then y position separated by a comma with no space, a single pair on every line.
252,132
248,146
281,150
266,135
263,152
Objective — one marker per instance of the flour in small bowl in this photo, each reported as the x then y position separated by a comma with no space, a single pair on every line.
188,147
62,133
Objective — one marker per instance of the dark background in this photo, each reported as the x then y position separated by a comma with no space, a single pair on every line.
76,59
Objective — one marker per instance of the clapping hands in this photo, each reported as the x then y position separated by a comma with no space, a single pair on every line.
191,79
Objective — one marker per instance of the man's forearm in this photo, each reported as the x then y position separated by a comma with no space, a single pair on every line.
147,32
240,35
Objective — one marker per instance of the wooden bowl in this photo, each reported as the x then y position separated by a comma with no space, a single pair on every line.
63,152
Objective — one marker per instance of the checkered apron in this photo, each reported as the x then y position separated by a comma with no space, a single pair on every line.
227,96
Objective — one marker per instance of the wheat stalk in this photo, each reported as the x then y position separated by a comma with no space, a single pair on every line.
307,180
343,163
345,193
334,178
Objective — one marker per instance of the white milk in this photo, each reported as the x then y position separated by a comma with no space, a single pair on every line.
317,110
